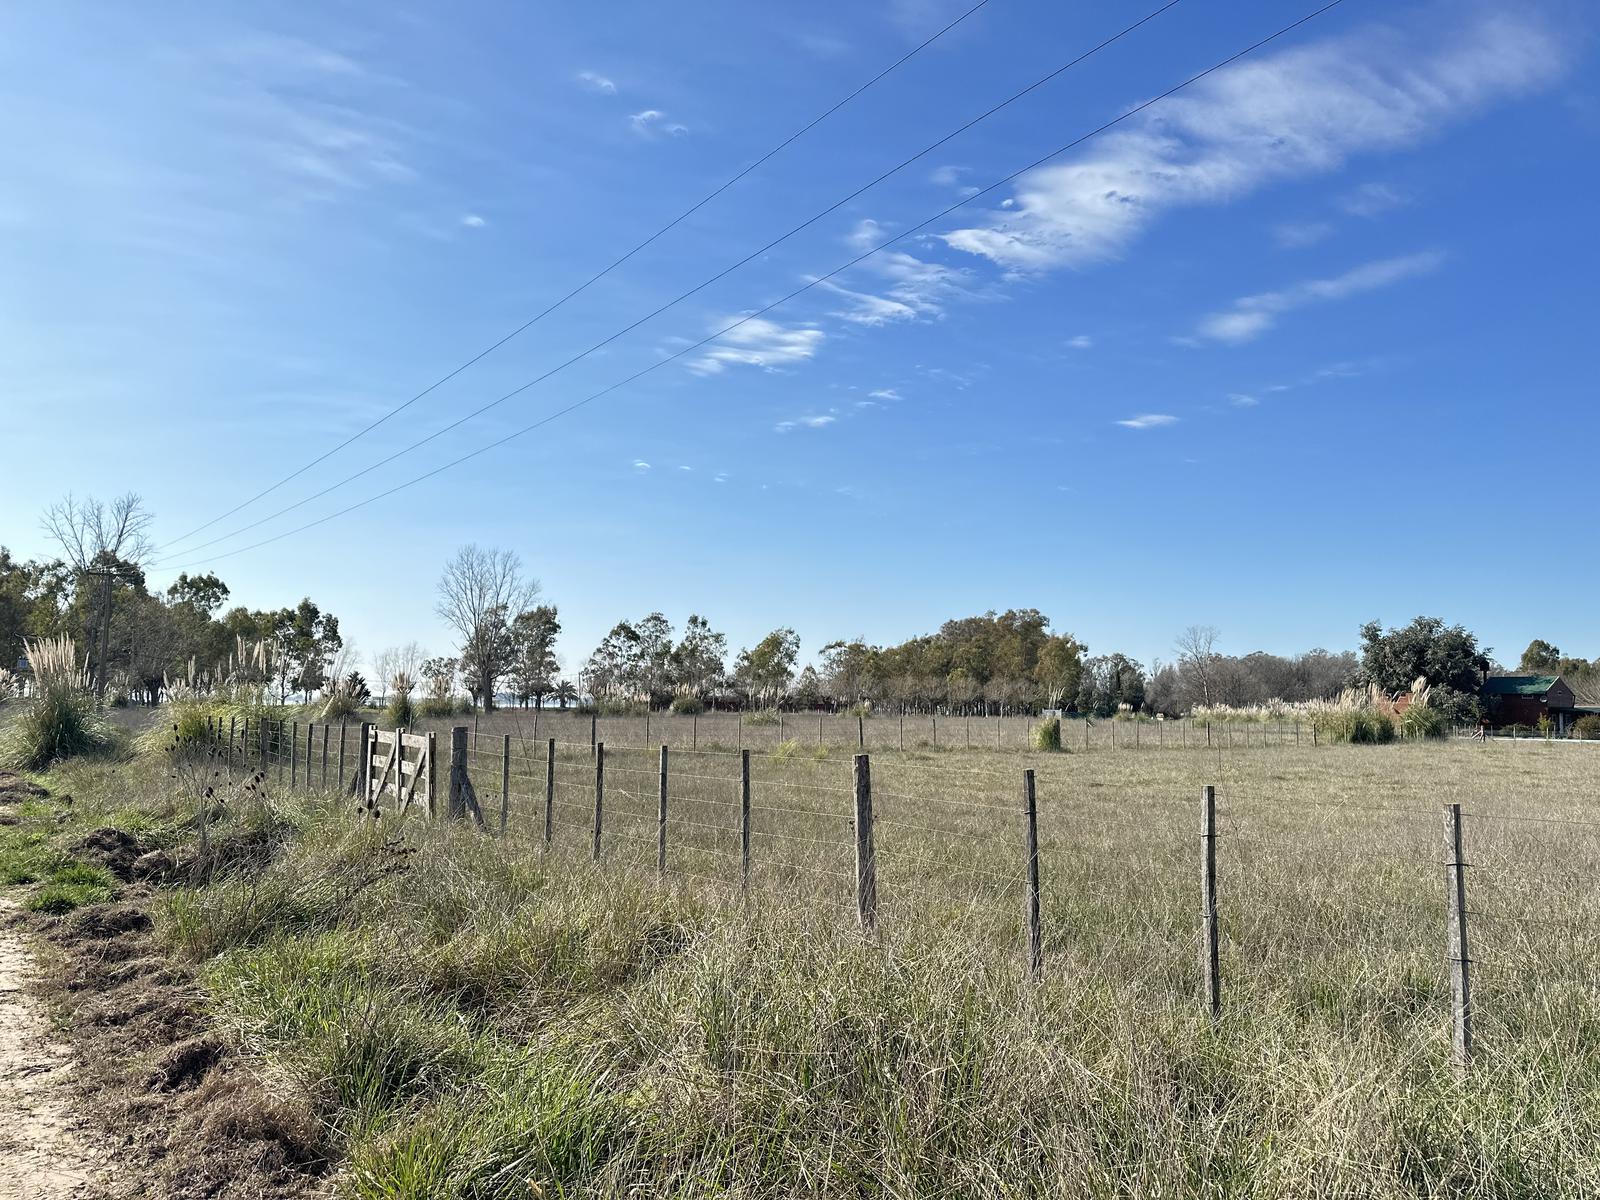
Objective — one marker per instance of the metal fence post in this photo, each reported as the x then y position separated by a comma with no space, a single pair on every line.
1035,933
866,861
1459,958
1210,943
599,793
661,817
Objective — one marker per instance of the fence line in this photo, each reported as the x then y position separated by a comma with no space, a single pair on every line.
563,792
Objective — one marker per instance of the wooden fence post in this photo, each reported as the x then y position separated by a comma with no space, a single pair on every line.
261,736
550,791
861,732
1086,733
344,729
358,782
935,731
902,731
694,731
866,861
294,756
1460,960
1210,952
505,783
744,820
1035,933
599,792
433,770
594,721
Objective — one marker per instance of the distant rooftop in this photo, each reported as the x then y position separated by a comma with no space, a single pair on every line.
1518,685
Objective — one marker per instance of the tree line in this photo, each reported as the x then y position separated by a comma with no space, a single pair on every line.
141,644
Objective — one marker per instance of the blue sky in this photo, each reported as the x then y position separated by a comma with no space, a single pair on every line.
1307,344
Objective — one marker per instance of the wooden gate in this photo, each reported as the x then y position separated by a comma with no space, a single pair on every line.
401,765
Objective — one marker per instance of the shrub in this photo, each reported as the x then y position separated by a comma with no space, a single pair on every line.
401,713
761,717
433,706
1424,721
62,718
787,749
688,705
1587,727
1047,734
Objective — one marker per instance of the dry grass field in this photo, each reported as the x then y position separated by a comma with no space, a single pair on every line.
470,1015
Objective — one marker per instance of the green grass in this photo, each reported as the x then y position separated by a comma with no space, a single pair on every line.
476,1018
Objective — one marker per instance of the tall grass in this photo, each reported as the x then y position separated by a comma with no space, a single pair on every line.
61,717
476,1017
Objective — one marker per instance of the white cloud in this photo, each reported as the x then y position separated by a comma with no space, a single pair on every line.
1082,342
597,83
639,464
1299,112
1252,316
684,468
1371,199
1295,235
1148,421
1242,400
820,422
911,287
653,121
473,221
884,394
759,343
948,176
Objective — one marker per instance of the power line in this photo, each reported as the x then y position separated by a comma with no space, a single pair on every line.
593,279
689,349
699,287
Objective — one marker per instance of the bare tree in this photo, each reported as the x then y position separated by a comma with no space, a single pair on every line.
92,533
1197,651
382,665
480,593
107,541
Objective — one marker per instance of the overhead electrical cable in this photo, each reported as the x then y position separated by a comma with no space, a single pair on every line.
592,280
699,287
692,347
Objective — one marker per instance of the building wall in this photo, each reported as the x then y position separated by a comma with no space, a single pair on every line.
1517,710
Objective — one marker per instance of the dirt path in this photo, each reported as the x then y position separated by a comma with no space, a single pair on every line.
43,1146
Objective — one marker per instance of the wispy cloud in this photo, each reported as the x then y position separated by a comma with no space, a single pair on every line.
884,394
653,121
595,82
1300,112
1251,316
1242,400
902,286
1372,199
1296,235
473,221
1148,421
817,422
1082,342
759,343
948,176
639,464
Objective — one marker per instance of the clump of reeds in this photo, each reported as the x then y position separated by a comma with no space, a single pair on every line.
401,713
62,717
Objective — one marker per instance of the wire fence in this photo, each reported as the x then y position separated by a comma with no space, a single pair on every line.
1432,907
768,731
